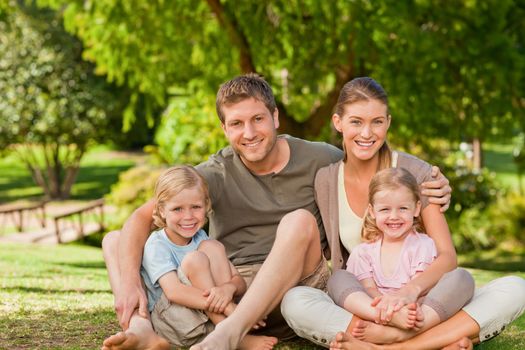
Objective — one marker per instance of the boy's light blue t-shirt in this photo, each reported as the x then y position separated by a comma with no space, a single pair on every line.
162,256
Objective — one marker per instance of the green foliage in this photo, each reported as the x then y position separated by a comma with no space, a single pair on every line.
501,221
451,68
134,188
188,132
51,105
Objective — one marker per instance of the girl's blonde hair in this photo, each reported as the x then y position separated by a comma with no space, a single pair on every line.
364,89
388,179
171,182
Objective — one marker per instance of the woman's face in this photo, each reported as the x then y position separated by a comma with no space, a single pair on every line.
364,127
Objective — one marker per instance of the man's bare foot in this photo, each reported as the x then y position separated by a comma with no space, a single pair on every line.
462,344
405,318
129,341
346,342
253,342
224,337
374,333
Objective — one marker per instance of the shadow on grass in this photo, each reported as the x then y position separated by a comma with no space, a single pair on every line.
501,260
22,289
52,329
85,265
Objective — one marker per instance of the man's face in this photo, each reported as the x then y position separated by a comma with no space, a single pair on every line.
251,129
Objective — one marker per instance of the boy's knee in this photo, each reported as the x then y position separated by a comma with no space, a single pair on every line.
194,261
212,246
110,241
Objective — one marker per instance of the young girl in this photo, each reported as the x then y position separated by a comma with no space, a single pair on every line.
190,282
394,251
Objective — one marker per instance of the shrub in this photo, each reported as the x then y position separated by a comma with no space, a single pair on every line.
134,188
502,221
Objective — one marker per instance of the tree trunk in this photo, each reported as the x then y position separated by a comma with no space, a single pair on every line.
477,155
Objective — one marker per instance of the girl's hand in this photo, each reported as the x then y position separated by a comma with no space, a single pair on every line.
219,297
387,304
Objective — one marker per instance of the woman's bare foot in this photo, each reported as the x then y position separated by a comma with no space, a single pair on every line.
346,342
374,333
254,342
130,341
405,318
462,344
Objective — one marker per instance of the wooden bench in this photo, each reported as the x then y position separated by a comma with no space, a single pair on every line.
16,211
80,226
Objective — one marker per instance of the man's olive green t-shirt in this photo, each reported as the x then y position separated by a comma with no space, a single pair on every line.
247,208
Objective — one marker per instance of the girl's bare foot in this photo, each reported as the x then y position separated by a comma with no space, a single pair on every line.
462,344
253,342
405,318
130,341
374,333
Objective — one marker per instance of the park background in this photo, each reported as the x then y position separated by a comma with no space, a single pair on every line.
97,97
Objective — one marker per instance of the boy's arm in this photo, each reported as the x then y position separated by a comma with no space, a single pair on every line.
131,295
237,281
182,294
219,297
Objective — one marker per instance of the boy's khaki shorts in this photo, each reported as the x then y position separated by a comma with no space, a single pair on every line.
183,327
180,325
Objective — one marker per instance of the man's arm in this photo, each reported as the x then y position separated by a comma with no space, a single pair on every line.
133,236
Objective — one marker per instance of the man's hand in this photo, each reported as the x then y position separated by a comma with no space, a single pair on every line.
438,190
130,297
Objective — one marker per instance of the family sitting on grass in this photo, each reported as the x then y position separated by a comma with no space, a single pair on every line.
279,207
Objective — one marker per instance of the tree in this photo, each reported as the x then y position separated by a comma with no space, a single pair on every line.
51,105
445,64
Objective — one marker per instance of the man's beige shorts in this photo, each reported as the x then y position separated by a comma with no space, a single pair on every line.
317,279
180,325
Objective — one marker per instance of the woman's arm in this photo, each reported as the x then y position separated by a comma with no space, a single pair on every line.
446,260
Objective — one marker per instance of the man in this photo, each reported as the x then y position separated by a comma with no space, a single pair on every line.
264,213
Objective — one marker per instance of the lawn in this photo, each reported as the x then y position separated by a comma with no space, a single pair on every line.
99,169
58,297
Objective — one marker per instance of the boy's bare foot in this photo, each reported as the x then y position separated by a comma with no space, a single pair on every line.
346,342
406,318
462,344
253,342
224,337
374,333
129,341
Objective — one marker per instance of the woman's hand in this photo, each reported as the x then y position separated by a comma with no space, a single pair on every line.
387,304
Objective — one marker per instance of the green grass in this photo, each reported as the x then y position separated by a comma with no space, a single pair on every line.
58,297
98,171
498,158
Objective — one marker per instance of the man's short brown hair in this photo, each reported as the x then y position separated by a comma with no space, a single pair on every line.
250,85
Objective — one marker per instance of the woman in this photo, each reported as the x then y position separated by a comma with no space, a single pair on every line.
362,117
